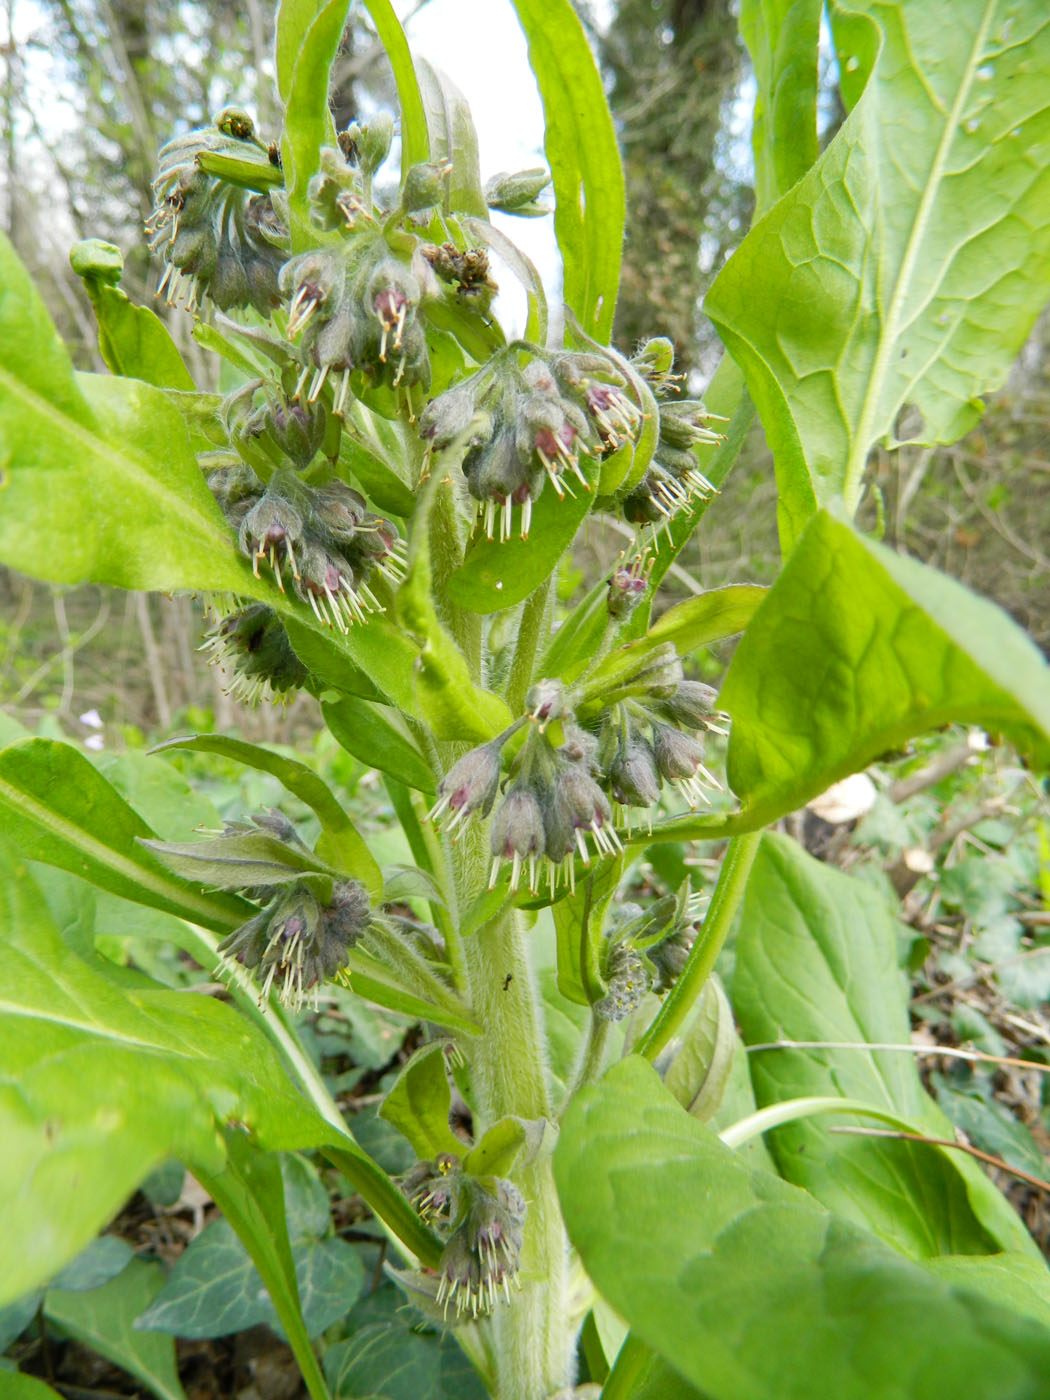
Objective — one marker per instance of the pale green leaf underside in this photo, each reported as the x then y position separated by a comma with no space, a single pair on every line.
910,263
756,1292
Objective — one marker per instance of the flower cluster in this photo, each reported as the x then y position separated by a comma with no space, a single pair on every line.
519,428
307,922
216,237
324,537
482,1220
357,307
251,646
566,779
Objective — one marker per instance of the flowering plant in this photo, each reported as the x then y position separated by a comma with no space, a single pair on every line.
377,511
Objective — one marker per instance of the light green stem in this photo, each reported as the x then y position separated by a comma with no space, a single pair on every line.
532,632
631,1361
592,1056
535,1342
732,881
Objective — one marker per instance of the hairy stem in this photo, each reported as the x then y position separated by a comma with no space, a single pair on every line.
534,1339
532,633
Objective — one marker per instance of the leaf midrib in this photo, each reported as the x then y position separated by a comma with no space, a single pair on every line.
862,437
53,823
168,502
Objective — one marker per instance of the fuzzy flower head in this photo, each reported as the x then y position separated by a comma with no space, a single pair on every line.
469,787
216,238
483,1251
252,648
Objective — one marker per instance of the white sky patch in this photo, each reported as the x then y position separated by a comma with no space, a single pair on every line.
481,47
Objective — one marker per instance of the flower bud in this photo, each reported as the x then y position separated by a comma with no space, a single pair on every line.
425,186
367,144
518,193
272,530
679,759
297,429
252,647
517,835
470,786
627,983
577,805
691,705
633,774
628,585
484,1249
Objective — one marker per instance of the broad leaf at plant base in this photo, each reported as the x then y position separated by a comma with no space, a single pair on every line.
817,960
750,1288
908,266
111,1082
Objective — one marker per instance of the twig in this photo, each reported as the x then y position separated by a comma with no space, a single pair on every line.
948,1051
949,1142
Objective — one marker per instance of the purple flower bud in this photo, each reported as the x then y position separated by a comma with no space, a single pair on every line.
633,775
679,758
517,835
578,805
691,705
469,787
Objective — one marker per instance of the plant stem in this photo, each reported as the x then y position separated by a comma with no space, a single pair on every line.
592,1057
532,631
534,1337
732,881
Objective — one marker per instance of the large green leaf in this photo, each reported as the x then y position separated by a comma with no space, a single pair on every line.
452,139
781,36
908,266
379,737
101,1082
749,1287
817,960
855,650
584,160
341,843
99,482
415,146
59,810
103,1319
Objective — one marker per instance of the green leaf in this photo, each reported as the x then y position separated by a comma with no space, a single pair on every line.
420,1101
503,1144
415,146
855,650
103,1320
379,737
308,123
699,1072
95,1265
340,844
19,1387
709,617
908,266
497,574
215,1289
584,160
578,921
879,648
757,1292
59,810
817,960
452,139
134,341
782,38
99,481
384,1362
374,981
101,1082
251,1194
